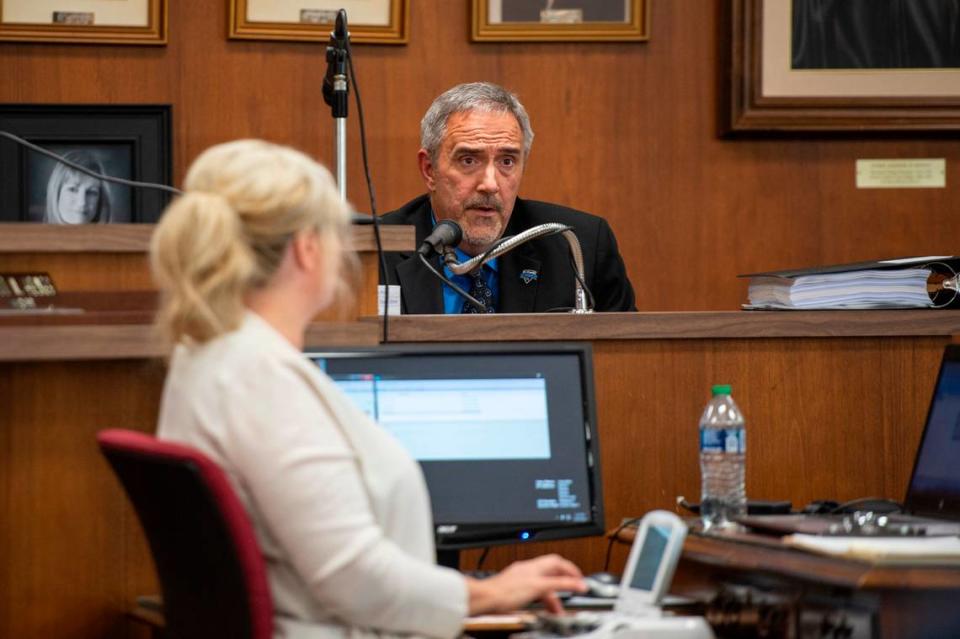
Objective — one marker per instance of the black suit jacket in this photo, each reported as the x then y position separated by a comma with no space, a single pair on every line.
548,257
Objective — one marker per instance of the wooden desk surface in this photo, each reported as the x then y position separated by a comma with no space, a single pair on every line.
764,554
760,554
758,575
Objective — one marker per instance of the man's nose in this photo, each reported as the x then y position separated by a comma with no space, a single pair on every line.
488,183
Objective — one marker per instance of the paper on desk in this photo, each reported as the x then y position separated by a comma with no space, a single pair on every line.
506,619
893,550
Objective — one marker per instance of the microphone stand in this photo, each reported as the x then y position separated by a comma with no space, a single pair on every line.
508,244
335,95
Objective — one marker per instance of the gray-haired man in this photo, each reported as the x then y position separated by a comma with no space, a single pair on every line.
475,141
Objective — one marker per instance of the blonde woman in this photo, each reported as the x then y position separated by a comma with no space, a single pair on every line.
245,258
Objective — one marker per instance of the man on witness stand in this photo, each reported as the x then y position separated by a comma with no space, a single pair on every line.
475,141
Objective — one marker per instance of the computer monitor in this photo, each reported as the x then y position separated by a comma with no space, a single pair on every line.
506,433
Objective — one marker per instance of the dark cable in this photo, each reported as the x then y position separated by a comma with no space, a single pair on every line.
613,538
373,199
85,170
482,558
847,505
477,303
576,274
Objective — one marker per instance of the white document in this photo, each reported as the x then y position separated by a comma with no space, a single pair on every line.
883,550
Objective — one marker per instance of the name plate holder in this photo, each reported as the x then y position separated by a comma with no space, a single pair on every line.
27,292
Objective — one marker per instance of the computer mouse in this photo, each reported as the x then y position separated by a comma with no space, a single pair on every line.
604,577
602,584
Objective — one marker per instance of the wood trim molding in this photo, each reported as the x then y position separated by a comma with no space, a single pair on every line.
135,238
70,339
138,341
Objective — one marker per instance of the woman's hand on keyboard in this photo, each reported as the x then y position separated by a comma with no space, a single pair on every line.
523,582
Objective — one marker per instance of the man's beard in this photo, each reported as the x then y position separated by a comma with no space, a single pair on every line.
480,236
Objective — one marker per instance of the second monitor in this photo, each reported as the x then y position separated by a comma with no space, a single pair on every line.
505,434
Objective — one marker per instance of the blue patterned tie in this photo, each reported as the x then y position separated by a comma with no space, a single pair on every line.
480,291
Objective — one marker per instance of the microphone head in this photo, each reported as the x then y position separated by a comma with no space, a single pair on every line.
448,233
340,28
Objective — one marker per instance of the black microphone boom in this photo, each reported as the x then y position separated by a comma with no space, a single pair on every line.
446,234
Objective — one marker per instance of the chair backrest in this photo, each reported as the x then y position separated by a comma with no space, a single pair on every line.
212,574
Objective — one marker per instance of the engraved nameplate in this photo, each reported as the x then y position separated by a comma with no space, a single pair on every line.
561,16
902,174
318,16
73,17
23,291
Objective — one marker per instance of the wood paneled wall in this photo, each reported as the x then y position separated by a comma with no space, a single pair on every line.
628,131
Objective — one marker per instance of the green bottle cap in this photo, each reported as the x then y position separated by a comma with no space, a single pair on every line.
720,389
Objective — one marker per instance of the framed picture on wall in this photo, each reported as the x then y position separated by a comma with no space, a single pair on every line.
129,142
560,20
369,21
84,21
848,66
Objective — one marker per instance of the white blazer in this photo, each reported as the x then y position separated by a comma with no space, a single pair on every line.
340,509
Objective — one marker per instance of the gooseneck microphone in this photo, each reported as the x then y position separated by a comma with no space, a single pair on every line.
582,298
446,234
441,241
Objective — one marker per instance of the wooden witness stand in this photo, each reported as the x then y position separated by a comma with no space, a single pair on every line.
835,403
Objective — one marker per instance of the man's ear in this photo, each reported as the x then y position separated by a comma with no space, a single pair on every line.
426,168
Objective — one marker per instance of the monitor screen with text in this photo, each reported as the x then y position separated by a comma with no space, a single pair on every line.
505,434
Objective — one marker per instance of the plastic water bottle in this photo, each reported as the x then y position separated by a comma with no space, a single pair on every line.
723,447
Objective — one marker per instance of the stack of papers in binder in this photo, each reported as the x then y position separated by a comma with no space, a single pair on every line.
900,283
857,289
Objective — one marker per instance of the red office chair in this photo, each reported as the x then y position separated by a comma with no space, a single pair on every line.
212,575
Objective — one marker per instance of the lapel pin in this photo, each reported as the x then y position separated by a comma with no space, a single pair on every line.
528,275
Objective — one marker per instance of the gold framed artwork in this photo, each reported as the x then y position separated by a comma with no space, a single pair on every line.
798,65
84,21
369,21
560,20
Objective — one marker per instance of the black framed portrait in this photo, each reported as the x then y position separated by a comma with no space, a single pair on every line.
875,34
124,141
843,65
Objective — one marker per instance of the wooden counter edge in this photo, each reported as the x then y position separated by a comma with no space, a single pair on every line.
766,555
135,238
673,325
78,340
139,341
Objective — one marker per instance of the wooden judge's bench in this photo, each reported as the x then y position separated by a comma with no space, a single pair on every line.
835,403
